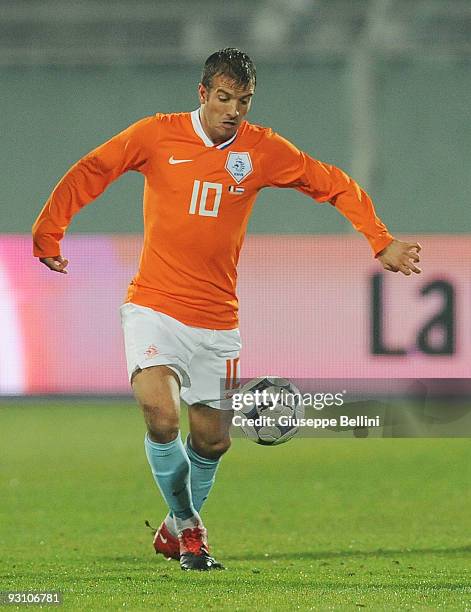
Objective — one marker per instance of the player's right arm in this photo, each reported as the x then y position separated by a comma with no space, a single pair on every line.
83,183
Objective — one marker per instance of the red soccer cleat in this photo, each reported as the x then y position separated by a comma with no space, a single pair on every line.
165,543
194,550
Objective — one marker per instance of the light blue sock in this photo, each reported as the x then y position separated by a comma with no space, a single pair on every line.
203,475
171,469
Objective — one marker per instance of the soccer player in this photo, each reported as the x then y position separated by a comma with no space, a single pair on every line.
203,171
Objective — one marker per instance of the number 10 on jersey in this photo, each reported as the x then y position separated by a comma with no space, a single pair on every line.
198,202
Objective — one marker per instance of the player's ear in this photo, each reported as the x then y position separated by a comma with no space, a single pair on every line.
202,93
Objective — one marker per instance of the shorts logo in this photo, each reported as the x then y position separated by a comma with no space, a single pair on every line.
151,351
239,165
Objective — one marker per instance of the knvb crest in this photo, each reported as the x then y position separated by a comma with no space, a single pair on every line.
239,166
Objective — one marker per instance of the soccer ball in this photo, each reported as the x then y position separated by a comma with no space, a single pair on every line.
269,410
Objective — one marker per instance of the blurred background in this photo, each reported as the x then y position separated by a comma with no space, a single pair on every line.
380,88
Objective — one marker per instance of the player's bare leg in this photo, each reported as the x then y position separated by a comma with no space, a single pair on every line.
209,430
157,390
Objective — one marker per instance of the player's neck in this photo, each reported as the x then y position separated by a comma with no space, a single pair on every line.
216,140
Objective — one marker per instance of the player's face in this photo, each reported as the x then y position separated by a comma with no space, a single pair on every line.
223,107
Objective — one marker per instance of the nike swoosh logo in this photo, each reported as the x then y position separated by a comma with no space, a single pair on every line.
164,540
171,160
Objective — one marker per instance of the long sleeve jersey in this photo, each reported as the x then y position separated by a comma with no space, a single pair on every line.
197,201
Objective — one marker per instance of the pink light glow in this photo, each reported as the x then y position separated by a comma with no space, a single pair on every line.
305,310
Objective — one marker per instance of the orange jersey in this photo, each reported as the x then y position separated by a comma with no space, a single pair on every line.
197,202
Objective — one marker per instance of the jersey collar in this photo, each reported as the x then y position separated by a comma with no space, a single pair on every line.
197,126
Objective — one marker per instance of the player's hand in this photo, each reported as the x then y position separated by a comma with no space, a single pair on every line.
57,264
401,256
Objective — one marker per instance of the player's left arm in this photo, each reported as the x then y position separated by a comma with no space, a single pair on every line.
287,166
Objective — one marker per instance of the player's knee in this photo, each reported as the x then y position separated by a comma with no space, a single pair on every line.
162,422
163,432
212,449
222,446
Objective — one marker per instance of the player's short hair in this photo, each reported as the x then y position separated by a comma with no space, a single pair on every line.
232,63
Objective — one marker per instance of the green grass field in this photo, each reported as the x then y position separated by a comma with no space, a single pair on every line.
334,524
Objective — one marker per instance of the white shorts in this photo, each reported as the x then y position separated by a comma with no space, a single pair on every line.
205,360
